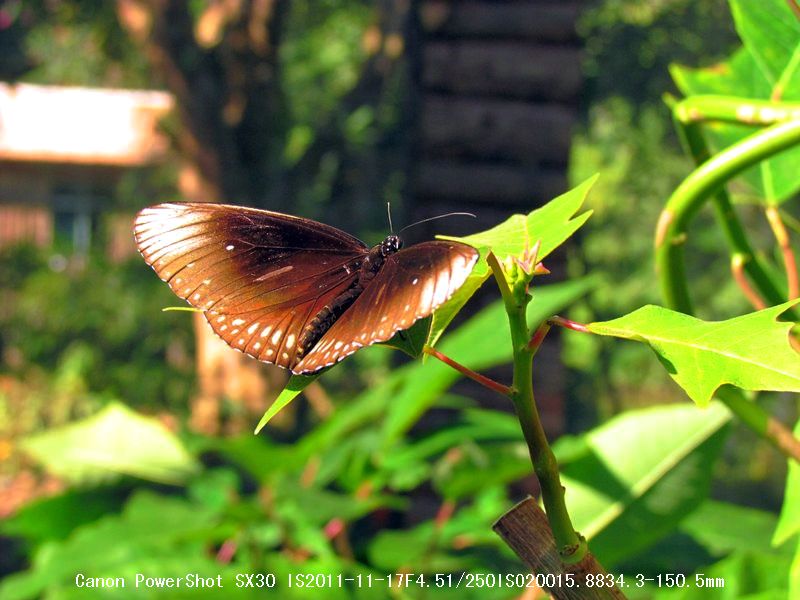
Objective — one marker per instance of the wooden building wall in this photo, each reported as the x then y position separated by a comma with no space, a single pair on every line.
499,84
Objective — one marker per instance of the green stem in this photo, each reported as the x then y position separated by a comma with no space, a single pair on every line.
708,179
727,219
571,546
760,421
695,190
744,111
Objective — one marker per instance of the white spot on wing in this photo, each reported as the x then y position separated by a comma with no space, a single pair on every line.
427,294
238,322
276,336
289,341
442,286
266,331
229,247
251,330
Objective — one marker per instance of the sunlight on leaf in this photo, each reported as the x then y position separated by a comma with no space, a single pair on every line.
751,352
551,225
116,441
649,466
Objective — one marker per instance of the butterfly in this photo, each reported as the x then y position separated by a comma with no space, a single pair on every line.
291,291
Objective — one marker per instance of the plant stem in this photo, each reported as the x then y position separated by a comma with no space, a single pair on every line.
466,371
571,546
727,219
728,109
707,181
737,270
695,190
789,260
760,421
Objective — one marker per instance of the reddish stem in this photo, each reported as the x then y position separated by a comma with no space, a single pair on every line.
538,337
789,260
226,551
482,379
794,7
566,323
737,270
444,514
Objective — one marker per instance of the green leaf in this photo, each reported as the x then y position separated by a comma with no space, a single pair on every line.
56,517
156,535
412,340
551,225
794,574
710,526
640,474
295,385
741,575
428,549
771,33
751,352
114,442
765,69
789,521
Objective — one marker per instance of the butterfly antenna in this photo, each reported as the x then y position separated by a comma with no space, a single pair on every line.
389,213
452,214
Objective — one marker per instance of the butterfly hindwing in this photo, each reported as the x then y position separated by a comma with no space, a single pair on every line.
410,286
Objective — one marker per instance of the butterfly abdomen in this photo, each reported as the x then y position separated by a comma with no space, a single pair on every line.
328,315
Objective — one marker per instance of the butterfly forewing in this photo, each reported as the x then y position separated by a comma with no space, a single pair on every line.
410,286
258,276
232,259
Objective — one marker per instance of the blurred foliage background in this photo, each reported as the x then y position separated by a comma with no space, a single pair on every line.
351,479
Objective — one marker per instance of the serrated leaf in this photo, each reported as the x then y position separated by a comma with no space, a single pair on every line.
114,442
295,385
551,225
751,352
789,521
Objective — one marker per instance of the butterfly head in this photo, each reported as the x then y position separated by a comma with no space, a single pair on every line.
390,245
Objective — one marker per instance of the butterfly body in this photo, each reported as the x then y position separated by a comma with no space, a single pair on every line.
367,271
291,291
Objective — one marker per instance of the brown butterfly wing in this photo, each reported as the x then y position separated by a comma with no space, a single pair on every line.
410,286
259,276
